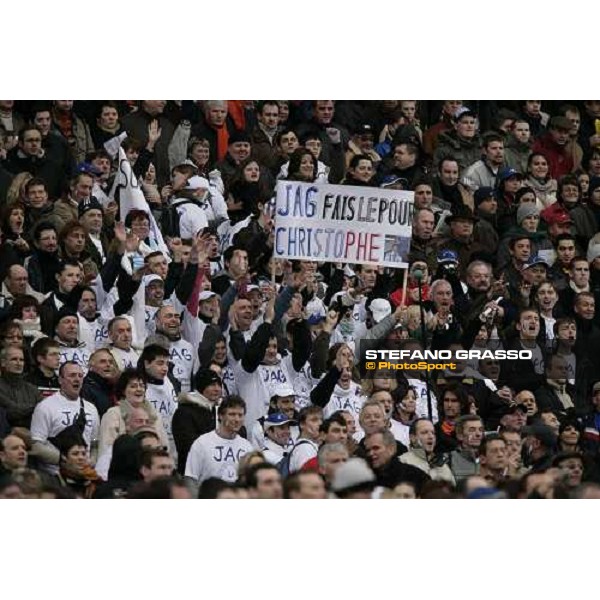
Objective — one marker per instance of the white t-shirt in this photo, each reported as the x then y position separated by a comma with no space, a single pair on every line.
56,413
302,381
422,411
400,432
185,363
81,355
273,452
192,219
92,333
214,456
257,388
350,400
303,451
164,399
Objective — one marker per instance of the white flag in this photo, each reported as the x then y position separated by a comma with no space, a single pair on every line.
131,198
113,145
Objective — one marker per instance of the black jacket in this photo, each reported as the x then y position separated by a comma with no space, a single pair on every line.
394,472
18,398
194,417
255,240
5,181
98,391
44,167
547,399
42,268
46,385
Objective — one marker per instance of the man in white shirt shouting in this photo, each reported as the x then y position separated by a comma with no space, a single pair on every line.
62,410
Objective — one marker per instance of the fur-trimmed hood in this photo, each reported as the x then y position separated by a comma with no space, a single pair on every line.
195,398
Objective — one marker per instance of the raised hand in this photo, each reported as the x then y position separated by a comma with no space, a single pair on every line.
154,132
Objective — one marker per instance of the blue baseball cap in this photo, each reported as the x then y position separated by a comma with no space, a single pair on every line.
446,255
277,419
507,173
533,261
89,168
315,319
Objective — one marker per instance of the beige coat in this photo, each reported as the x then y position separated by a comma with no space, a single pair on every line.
417,458
112,426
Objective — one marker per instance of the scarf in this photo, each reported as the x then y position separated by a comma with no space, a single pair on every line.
448,427
114,130
222,142
561,392
235,109
578,290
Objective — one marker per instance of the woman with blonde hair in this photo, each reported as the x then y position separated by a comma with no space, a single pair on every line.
16,191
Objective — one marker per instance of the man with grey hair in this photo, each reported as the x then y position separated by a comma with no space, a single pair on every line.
215,126
389,471
440,319
331,457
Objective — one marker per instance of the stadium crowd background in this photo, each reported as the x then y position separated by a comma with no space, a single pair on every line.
187,357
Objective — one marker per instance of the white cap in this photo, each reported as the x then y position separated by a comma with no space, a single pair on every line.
353,473
148,279
197,183
283,389
206,295
380,309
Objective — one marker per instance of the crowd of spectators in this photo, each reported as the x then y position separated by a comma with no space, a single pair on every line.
163,352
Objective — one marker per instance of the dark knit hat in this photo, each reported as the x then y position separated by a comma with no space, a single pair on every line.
64,312
481,194
239,136
206,377
89,204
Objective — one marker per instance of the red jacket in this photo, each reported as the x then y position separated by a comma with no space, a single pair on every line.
560,160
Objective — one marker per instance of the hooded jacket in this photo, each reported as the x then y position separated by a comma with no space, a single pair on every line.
465,152
545,191
195,416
